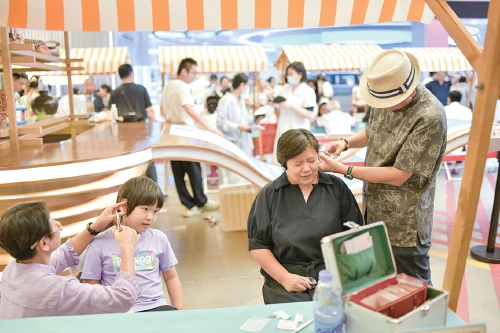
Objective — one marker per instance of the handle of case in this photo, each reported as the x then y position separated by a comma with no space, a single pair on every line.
351,225
425,310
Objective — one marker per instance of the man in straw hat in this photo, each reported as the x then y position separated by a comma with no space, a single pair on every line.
406,141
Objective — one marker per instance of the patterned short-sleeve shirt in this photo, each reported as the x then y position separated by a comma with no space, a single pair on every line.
412,139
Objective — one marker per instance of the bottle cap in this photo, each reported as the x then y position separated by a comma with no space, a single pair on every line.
325,275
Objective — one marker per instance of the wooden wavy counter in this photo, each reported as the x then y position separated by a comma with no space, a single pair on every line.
79,177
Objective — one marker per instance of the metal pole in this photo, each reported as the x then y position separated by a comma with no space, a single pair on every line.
490,253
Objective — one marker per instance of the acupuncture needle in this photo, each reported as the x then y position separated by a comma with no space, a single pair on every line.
118,223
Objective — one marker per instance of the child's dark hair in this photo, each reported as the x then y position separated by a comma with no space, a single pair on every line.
23,225
140,191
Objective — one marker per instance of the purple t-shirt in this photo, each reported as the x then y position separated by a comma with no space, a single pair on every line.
153,255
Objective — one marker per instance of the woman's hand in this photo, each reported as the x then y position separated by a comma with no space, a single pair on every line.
295,283
328,164
109,215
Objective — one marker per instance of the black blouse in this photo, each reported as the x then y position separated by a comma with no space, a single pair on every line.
280,220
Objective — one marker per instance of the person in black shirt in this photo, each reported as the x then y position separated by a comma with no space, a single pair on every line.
291,214
131,98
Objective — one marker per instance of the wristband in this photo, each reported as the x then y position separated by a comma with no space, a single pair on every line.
92,232
346,143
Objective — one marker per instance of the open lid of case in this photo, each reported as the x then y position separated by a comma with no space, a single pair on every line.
354,272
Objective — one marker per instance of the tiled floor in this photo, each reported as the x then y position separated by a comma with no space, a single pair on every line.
216,269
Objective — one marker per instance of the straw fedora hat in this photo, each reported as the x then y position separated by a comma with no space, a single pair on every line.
391,78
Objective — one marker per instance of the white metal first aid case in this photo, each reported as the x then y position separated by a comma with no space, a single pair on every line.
432,313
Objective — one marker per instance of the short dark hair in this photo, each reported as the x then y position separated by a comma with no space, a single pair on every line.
125,70
239,79
432,73
213,77
269,79
186,63
321,77
462,79
224,77
17,76
294,142
299,68
140,191
21,226
107,88
212,97
455,96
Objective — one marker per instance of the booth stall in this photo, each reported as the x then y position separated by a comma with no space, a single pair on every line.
97,61
328,57
233,14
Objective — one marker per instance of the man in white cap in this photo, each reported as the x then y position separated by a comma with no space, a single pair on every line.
406,141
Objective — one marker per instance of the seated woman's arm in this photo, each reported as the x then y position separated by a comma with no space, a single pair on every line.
291,282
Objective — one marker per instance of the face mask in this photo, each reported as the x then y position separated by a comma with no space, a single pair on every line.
292,80
247,90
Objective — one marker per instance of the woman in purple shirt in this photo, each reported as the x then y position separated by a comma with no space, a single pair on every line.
31,286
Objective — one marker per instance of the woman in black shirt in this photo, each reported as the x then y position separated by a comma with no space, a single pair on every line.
290,216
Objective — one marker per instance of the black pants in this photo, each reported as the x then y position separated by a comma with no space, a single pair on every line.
193,169
414,261
151,172
160,308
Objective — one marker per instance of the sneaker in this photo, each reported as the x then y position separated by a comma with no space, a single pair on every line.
211,205
192,212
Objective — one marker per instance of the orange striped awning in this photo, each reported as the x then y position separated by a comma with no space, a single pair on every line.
214,59
329,57
151,15
96,61
434,59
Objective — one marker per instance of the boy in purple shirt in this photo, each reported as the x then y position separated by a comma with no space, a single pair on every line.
153,254
30,285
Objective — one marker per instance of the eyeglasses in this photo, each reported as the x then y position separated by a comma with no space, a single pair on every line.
59,227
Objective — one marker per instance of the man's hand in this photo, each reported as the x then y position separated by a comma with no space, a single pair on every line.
328,164
335,147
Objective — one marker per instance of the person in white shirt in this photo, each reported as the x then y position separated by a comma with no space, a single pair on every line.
333,119
325,87
177,108
299,107
455,110
233,118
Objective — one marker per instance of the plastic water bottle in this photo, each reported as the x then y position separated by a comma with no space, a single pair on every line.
114,112
328,307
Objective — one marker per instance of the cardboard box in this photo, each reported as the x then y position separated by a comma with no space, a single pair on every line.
360,273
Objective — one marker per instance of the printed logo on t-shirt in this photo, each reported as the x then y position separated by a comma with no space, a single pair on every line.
143,260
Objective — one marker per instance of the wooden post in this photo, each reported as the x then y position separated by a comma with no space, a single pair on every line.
471,86
479,138
70,86
457,30
9,88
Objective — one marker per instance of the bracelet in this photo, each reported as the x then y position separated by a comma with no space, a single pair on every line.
346,143
92,232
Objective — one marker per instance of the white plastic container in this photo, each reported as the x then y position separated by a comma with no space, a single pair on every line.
114,112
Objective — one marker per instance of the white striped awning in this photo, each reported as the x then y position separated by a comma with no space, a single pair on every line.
329,57
435,59
214,59
96,61
154,15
